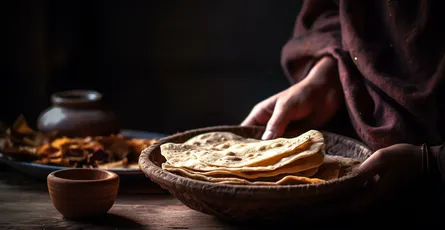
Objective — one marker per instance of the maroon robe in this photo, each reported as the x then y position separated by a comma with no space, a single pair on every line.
391,64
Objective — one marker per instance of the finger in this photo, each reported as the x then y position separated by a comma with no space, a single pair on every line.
371,166
278,122
250,119
257,117
261,113
371,171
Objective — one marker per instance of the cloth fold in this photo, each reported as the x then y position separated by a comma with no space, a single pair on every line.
391,64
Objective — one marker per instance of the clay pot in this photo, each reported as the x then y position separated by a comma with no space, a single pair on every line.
83,193
78,113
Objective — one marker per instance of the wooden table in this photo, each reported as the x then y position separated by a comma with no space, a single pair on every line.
25,204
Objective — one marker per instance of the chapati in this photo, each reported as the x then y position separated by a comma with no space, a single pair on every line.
227,158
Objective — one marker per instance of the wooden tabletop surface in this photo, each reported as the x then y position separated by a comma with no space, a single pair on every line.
25,204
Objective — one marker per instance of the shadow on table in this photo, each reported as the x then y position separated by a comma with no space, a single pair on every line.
110,220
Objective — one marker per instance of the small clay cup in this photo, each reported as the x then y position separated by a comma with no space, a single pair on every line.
78,113
83,193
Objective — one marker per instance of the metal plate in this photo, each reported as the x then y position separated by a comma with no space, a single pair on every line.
42,171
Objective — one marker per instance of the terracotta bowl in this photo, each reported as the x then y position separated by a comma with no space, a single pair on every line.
255,202
83,193
78,113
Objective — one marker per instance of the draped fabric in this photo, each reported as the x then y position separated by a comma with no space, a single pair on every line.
391,64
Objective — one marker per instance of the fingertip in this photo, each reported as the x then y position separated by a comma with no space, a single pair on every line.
274,130
275,127
267,135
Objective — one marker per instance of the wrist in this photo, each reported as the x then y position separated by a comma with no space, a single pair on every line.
324,73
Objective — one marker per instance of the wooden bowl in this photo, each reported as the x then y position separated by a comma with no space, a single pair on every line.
83,193
256,202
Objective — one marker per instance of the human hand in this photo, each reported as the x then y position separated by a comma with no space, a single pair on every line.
315,100
395,165
391,169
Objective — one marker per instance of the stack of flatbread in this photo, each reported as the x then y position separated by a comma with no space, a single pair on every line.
223,157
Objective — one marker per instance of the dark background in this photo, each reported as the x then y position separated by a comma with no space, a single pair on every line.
162,66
